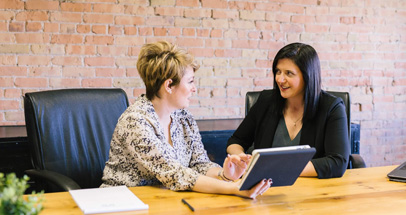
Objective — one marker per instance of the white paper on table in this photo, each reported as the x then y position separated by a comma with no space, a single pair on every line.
106,200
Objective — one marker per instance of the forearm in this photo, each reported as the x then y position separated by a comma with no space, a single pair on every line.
205,184
309,170
235,149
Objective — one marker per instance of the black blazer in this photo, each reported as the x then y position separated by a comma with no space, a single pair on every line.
327,132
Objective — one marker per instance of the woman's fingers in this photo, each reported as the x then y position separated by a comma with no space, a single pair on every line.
266,186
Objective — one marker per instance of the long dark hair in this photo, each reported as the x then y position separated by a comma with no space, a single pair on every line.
306,58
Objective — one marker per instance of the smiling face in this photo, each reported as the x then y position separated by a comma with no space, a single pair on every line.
182,92
289,79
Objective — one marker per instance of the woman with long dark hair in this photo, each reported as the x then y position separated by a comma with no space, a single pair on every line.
297,112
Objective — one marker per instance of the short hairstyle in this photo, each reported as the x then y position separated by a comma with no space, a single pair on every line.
160,61
307,60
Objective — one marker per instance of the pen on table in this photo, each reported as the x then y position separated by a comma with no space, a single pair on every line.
188,205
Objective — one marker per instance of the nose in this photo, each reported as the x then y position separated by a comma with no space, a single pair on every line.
281,78
193,88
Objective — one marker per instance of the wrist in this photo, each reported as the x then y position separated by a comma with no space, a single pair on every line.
221,176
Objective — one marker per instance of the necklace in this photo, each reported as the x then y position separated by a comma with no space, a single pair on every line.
294,123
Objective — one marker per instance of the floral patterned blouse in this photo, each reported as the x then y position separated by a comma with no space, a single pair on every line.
140,154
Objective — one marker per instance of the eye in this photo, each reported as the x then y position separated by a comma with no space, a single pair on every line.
278,72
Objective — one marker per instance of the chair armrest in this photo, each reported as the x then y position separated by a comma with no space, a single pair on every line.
357,161
61,181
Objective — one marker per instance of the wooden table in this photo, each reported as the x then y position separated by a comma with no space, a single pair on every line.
359,191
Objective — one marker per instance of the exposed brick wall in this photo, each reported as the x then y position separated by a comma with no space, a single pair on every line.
49,44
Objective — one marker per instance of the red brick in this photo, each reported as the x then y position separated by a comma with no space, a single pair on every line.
16,27
115,30
143,31
33,27
30,38
270,6
242,6
225,14
228,53
99,61
214,4
16,116
215,23
67,39
83,29
189,32
67,61
186,22
99,40
9,104
12,93
99,18
80,49
139,10
3,27
76,7
13,71
78,72
129,20
290,8
32,16
160,21
51,27
67,28
132,72
130,41
99,29
218,43
168,11
188,3
109,72
201,52
12,4
41,5
190,42
174,31
249,44
205,32
6,82
198,13
112,50
97,82
7,60
64,82
263,82
34,60
160,31
45,71
31,82
108,8
226,112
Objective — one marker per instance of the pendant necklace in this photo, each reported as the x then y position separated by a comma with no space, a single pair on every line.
294,124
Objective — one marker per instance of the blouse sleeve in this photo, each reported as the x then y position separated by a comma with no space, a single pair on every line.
150,153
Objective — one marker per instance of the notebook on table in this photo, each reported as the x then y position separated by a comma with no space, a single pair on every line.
282,164
398,174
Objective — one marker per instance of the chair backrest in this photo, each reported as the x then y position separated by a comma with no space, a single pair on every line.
70,130
252,97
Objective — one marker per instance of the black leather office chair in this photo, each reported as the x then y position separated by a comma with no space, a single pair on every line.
356,161
69,132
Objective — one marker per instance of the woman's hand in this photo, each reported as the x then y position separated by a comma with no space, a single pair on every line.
258,189
235,165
